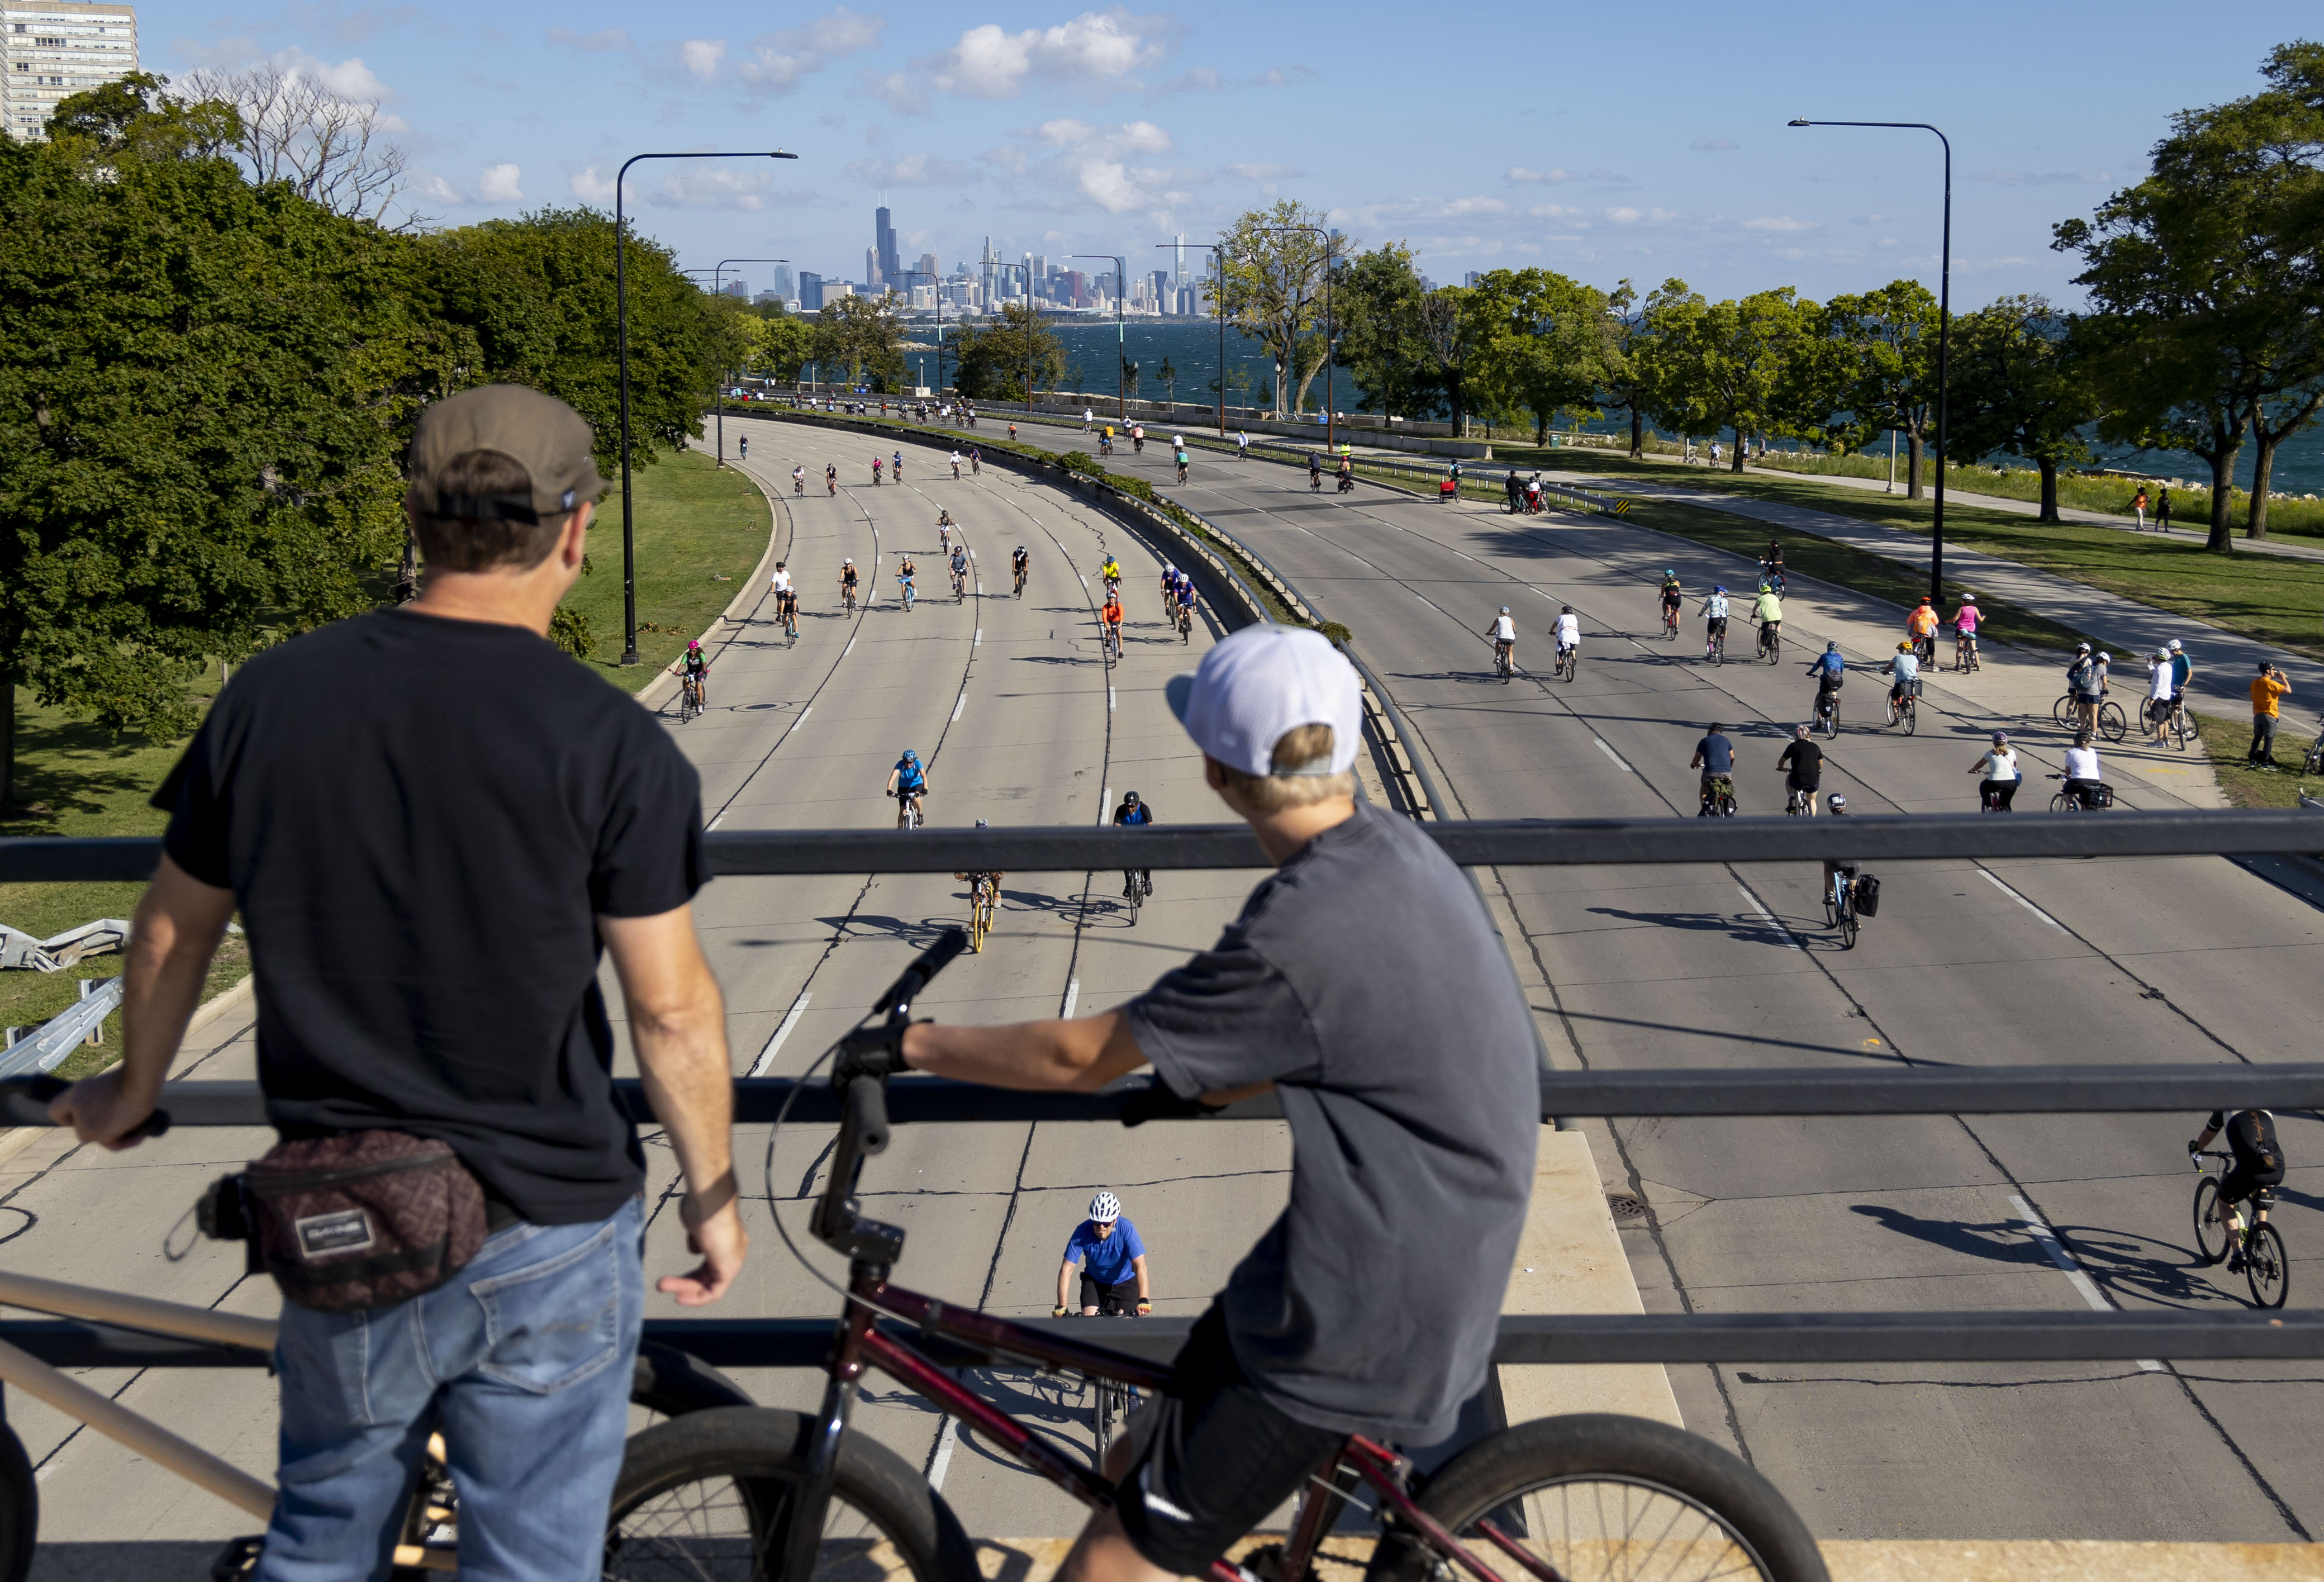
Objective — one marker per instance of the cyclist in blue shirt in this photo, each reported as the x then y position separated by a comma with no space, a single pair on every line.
908,782
1112,1259
1134,814
1829,668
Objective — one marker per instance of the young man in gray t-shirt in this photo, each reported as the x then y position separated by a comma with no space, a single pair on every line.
1364,983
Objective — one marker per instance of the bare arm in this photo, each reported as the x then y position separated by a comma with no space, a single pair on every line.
1064,1276
1138,1263
678,1022
1079,1056
176,930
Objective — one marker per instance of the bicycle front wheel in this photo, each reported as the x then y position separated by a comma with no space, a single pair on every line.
2112,726
1601,1496
1848,924
707,1496
2266,1267
2211,1222
2063,712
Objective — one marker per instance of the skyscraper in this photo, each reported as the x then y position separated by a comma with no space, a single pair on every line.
784,285
810,292
53,51
928,266
889,266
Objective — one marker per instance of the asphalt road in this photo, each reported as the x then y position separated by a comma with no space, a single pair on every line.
1979,963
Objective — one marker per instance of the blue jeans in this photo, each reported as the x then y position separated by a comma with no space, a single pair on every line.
523,1360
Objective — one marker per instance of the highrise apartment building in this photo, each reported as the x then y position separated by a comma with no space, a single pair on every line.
50,51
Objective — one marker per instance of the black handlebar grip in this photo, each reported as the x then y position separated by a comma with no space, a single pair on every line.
867,1114
1158,1103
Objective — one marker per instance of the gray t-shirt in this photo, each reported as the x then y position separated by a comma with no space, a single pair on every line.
1364,980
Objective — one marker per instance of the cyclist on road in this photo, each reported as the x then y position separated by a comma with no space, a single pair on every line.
1829,669
1965,619
1998,767
696,667
1314,471
896,466
1834,867
1569,633
1111,1260
744,443
1134,814
830,477
1715,757
1181,463
1905,665
1804,760
798,480
943,531
2083,774
1920,625
877,464
1504,633
1111,572
1109,619
1242,446
786,596
1427,1166
960,567
1673,596
847,580
905,572
977,876
908,782
1767,609
2254,1164
1020,563
1714,617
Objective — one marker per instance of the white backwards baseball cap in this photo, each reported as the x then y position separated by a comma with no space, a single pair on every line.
1262,682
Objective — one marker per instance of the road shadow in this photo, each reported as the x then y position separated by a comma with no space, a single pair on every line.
2002,1241
1746,929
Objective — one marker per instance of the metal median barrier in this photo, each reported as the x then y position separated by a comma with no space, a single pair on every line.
1856,1089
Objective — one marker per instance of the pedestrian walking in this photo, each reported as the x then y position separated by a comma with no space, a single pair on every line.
2266,687
428,870
2138,505
2163,509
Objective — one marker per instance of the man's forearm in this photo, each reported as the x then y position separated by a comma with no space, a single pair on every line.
171,938
1082,1054
682,1058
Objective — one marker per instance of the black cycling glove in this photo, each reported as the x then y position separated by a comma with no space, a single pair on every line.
877,1050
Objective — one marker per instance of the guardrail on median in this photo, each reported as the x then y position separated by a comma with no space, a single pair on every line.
1892,1088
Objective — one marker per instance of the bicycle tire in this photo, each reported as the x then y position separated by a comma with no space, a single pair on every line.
1894,713
1911,718
2267,1268
2061,712
1524,1479
1719,651
1102,1423
1848,924
2211,1231
703,1495
1726,807
20,1508
2063,803
2314,763
2112,726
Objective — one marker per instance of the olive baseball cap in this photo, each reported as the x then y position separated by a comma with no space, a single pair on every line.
541,433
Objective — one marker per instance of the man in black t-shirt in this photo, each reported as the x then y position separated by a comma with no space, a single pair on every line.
1804,760
1370,1306
428,871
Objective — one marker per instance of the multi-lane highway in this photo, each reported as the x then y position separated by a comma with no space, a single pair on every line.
1020,720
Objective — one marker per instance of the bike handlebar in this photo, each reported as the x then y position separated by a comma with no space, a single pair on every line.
24,1101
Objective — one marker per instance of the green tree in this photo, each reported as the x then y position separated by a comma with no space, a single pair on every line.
1452,335
1627,364
204,390
2206,287
2017,387
1727,365
1876,359
1000,361
1545,340
864,336
1376,297
134,118
1273,290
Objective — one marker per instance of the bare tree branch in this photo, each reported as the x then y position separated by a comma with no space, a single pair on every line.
331,149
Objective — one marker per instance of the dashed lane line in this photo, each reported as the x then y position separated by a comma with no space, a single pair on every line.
1790,942
2020,900
766,1061
2039,1230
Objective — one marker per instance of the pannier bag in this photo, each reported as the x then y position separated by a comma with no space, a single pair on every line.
363,1220
1867,896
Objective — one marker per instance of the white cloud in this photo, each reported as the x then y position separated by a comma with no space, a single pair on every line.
913,170
776,61
1267,173
1526,176
1107,165
1623,217
1096,49
700,57
437,190
498,184
1781,222
1714,145
593,184
2045,177
608,39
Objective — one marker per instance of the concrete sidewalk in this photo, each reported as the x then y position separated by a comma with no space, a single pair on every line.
2224,661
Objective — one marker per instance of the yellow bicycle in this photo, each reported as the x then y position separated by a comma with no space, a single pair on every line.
983,901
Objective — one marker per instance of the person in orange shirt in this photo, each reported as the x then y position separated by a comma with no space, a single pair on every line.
1922,625
2266,687
1111,617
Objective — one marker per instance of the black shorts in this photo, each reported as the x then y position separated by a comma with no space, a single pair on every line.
1120,1297
1717,627
2241,1182
1212,1458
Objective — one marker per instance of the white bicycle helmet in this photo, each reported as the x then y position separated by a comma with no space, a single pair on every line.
1105,1208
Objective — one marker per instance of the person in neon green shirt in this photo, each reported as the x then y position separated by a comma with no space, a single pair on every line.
1767,609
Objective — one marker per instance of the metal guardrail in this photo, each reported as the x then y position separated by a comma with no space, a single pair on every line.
1471,842
53,1042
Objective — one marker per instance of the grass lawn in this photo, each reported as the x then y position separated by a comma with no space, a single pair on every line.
700,531
2275,599
2226,738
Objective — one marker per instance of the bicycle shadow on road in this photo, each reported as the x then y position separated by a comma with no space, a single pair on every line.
1744,929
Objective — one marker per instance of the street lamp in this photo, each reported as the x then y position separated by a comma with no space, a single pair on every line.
719,391
1944,326
1121,335
1331,415
924,274
1218,311
621,350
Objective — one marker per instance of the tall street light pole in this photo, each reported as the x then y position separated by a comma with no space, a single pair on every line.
622,349
1331,331
718,393
1944,327
1218,311
1121,335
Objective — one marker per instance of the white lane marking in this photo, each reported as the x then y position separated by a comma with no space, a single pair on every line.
1763,912
1109,698
2021,900
766,1061
1073,993
1609,752
1105,800
941,1461
1084,582
980,631
958,703
715,823
2039,1230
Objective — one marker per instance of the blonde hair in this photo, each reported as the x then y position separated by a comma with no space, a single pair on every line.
1285,789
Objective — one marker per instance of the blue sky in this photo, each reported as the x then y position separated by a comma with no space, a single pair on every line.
1605,141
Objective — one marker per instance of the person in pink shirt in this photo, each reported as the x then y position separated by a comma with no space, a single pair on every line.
1965,621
